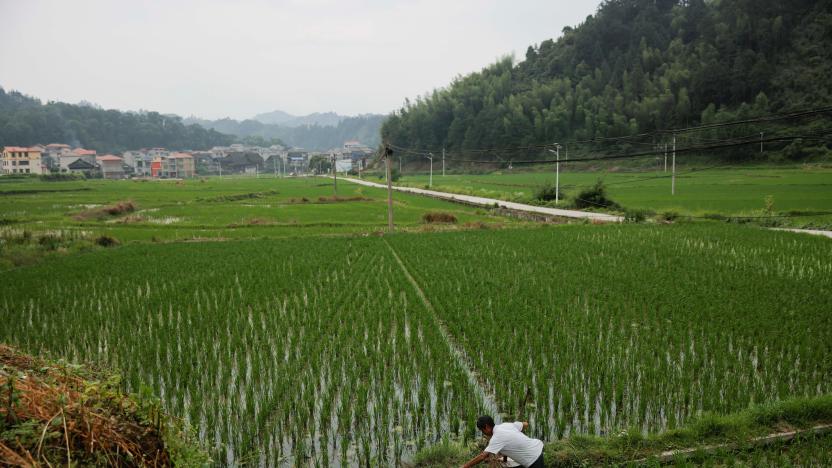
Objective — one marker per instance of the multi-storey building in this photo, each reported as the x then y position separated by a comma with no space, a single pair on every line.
21,160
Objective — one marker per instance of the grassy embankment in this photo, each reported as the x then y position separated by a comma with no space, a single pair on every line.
54,413
714,440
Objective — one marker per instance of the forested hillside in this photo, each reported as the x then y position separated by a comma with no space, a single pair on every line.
364,128
637,66
26,121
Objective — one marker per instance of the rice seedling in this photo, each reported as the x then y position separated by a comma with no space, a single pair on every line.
344,351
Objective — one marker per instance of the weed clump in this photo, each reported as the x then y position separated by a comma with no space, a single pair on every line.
65,414
104,212
439,218
106,241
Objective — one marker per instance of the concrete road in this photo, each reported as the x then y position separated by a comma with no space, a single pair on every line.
489,202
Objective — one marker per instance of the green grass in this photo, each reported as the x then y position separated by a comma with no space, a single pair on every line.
41,219
726,191
169,210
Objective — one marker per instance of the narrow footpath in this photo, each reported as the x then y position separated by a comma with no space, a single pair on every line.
490,202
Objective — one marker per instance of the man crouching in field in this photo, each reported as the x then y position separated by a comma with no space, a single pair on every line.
507,439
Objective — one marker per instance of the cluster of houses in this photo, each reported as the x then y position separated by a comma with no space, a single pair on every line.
164,164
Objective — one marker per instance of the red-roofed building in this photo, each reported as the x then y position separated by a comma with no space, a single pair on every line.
21,160
112,167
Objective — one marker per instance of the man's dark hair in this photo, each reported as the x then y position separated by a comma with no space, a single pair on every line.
484,421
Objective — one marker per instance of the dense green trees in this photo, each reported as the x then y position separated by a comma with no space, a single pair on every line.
25,121
635,66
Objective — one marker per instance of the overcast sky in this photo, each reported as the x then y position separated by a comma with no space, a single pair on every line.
216,59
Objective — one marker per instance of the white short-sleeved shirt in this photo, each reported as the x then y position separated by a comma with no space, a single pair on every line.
508,439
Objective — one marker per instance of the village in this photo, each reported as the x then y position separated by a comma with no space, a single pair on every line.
161,163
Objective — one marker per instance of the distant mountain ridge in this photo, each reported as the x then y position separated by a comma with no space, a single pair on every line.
278,117
317,131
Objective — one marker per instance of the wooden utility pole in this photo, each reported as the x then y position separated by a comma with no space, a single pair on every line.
388,154
334,176
443,162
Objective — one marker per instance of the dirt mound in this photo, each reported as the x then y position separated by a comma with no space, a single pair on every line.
108,211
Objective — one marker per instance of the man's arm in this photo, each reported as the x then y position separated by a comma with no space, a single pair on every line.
476,460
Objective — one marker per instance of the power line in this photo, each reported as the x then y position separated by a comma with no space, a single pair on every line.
728,143
660,132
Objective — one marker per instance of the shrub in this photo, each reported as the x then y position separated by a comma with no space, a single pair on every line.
547,192
106,241
635,216
61,177
439,217
594,197
49,241
668,216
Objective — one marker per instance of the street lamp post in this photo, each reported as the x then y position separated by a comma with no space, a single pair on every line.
557,172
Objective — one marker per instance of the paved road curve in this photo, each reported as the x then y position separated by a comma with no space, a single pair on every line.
806,231
489,202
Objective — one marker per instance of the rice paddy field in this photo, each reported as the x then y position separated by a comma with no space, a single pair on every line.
795,191
212,208
359,350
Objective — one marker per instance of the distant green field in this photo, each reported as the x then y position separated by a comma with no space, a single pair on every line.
215,208
737,191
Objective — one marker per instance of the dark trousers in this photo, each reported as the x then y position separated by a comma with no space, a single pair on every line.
538,463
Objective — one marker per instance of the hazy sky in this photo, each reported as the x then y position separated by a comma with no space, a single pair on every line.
238,58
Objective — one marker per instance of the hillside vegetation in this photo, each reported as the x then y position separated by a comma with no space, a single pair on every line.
26,121
638,66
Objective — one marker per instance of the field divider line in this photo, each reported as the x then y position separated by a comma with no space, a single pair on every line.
486,396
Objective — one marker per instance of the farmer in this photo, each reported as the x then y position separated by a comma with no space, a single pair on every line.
508,440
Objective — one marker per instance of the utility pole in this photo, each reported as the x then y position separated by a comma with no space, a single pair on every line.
673,178
388,153
430,179
443,161
335,176
219,166
665,157
761,142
